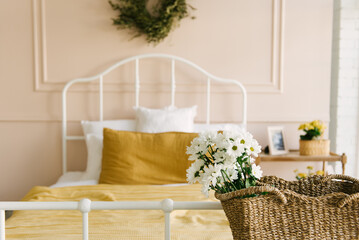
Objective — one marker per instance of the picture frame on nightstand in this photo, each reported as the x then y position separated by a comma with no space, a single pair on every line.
277,140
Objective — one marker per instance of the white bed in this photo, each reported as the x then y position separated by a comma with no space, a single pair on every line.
84,180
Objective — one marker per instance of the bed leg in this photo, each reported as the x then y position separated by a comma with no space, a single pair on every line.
167,207
85,228
85,208
2,224
167,225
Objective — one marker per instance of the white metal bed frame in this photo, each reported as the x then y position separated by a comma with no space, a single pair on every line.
86,205
137,59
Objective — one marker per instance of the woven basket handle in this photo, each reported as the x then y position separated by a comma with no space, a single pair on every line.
252,190
347,199
340,176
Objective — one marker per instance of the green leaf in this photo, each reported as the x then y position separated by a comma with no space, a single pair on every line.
134,15
248,183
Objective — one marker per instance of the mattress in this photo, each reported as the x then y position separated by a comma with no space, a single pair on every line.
118,224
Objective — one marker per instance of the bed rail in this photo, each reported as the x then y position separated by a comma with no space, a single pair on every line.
136,59
86,205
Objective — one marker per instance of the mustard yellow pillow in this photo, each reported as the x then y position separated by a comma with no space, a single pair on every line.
144,158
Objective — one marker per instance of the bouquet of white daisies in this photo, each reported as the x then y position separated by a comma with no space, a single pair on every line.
223,161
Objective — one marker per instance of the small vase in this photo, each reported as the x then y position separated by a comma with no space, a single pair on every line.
314,147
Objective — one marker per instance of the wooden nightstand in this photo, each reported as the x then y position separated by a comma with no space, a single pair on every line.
293,156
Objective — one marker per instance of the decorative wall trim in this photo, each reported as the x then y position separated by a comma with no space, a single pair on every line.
42,83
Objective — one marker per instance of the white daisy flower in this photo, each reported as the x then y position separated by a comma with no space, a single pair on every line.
229,160
205,189
235,149
232,135
193,157
208,137
232,173
257,171
193,172
221,141
251,160
254,149
197,146
211,174
219,156
246,140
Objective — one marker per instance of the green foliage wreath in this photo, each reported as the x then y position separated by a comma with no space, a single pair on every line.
156,26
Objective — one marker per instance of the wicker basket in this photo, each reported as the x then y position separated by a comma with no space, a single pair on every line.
314,147
313,208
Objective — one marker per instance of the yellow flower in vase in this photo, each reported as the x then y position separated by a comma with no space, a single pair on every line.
312,142
312,130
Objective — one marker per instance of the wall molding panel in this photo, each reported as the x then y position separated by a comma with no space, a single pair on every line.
43,83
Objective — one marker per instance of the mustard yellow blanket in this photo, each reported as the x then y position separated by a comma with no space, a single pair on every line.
119,224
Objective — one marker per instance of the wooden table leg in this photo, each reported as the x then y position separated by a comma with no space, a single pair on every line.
324,168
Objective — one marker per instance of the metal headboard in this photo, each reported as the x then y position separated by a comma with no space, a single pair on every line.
137,59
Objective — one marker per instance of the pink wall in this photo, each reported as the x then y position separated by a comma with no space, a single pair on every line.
280,52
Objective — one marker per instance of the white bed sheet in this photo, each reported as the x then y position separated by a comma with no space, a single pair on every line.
73,179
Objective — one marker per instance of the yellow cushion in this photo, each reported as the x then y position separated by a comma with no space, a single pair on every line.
144,158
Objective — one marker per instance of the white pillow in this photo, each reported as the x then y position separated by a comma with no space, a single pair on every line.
201,127
165,120
94,156
96,127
